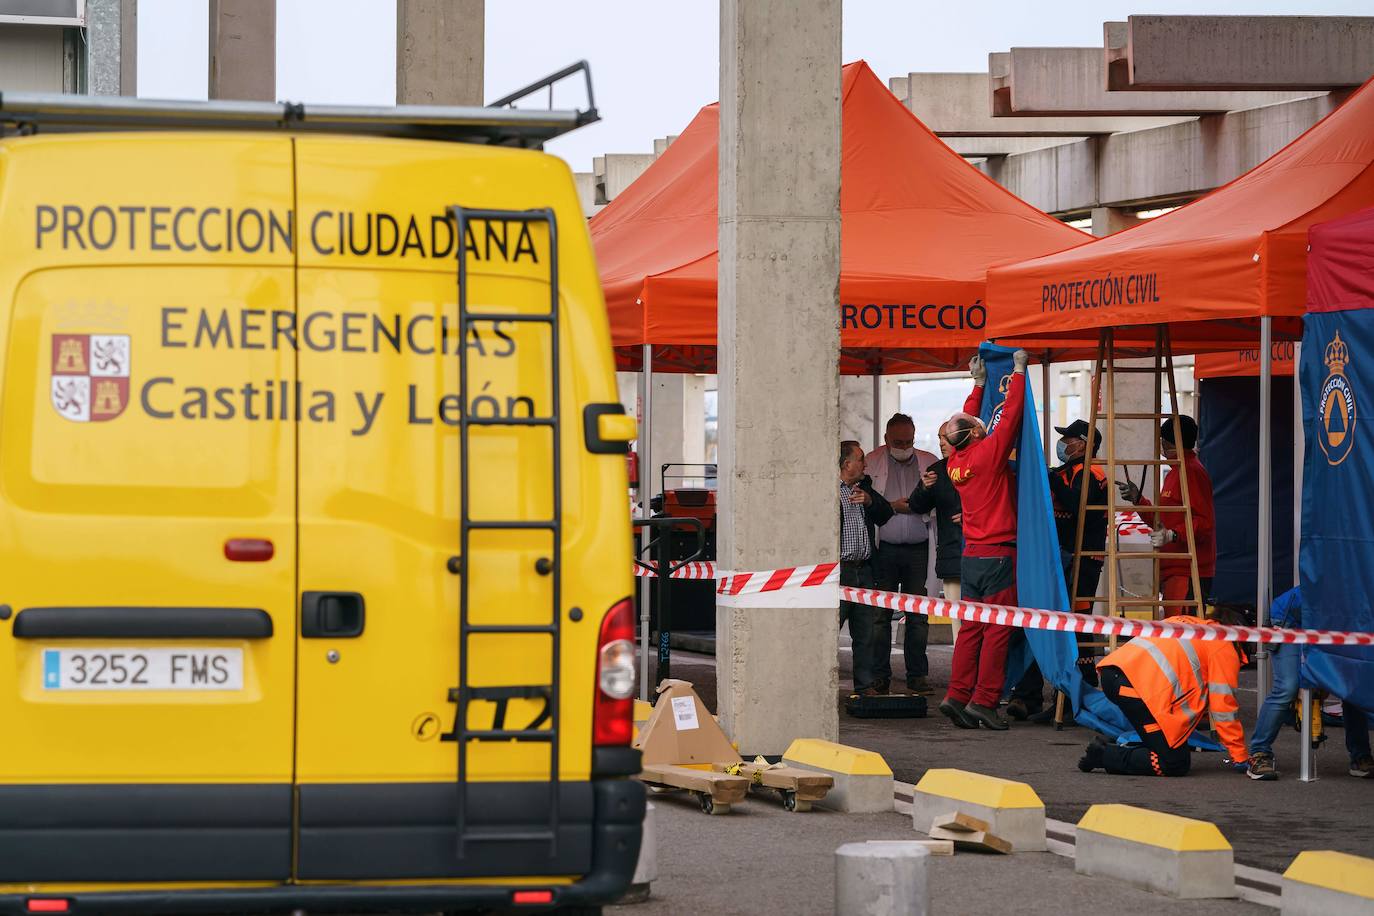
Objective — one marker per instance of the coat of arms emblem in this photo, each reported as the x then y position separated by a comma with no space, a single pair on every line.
90,376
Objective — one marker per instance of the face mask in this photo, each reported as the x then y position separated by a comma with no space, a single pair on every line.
901,454
1062,450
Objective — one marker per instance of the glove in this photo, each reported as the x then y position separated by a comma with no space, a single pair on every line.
1163,536
1129,491
978,370
1240,766
1019,360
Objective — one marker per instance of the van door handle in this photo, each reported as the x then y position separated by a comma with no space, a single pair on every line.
332,615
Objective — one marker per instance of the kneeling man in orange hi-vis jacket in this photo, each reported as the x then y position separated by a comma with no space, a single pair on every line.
1165,687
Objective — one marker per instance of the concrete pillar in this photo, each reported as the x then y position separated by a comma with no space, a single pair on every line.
779,364
679,401
440,52
856,410
1109,220
112,43
243,50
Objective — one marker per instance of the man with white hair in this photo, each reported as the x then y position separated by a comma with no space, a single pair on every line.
902,559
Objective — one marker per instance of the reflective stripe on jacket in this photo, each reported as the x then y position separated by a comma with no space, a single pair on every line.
1180,679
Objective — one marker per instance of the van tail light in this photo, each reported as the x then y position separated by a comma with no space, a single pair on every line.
613,719
47,905
532,898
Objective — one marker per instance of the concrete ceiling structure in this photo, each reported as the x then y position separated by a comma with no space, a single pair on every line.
1073,81
957,105
1218,53
1202,119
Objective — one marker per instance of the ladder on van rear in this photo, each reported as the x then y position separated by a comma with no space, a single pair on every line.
464,694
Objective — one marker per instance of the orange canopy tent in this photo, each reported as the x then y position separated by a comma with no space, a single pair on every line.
1242,363
920,227
1209,270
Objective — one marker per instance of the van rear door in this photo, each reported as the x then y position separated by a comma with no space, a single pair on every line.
380,791
146,466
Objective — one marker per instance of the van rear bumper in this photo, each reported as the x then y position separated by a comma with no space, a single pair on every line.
615,840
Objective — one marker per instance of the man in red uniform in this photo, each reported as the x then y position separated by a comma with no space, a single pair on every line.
1171,534
987,489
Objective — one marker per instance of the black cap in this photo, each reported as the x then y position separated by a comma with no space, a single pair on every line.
1078,429
1185,423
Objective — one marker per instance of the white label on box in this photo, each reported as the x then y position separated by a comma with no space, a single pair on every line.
685,713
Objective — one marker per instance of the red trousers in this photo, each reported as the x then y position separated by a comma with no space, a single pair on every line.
980,651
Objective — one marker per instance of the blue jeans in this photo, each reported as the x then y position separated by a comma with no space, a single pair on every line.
1272,715
1356,722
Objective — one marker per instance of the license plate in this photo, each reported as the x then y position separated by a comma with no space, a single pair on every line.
143,669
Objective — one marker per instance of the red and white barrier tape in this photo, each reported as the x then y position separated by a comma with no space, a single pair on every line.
751,583
697,569
1131,523
775,579
1064,621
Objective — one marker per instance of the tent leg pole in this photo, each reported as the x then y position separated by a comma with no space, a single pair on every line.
1264,591
646,476
877,409
1299,446
1306,771
1045,410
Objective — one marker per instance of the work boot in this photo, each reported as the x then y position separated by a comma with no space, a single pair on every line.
954,711
920,686
988,718
1018,709
1262,767
882,687
1092,756
1046,717
1362,768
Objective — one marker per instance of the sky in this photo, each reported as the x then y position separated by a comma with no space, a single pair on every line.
654,62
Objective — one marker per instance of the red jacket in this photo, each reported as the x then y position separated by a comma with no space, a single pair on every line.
987,488
1204,520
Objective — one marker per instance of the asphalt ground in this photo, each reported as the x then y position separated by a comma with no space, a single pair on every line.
759,859
1267,823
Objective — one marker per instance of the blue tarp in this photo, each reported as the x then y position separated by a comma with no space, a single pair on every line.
1336,558
1039,576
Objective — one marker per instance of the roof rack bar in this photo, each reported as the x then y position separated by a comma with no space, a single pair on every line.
584,117
28,113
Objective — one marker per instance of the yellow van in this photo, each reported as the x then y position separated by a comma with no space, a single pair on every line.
313,540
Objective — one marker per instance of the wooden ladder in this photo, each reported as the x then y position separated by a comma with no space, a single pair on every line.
1113,555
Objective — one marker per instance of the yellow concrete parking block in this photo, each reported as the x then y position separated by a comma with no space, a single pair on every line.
1154,828
1165,853
1012,809
863,780
979,789
1328,883
837,758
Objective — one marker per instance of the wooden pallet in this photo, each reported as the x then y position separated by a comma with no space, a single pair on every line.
797,788
715,791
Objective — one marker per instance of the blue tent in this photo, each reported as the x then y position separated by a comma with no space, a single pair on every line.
1336,372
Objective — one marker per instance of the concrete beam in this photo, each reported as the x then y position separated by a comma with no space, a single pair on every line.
1175,162
243,50
1238,52
980,147
440,52
956,105
1073,81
